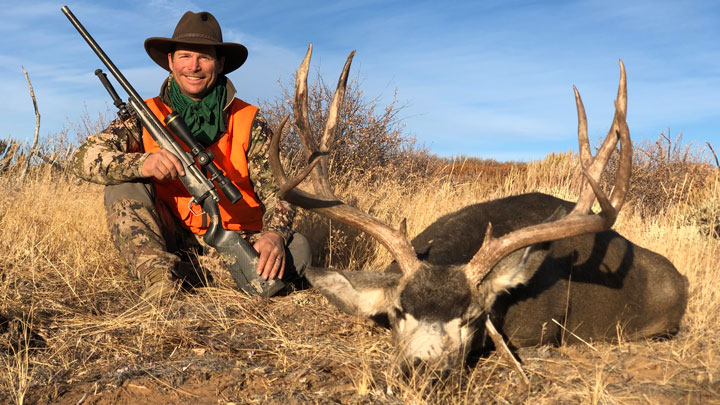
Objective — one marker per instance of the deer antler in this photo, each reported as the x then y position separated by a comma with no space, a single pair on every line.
323,201
581,220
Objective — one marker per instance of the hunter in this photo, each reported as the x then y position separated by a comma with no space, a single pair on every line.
146,204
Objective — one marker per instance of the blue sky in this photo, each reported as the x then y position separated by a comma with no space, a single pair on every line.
491,79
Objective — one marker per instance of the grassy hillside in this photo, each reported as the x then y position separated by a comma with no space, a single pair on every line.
74,329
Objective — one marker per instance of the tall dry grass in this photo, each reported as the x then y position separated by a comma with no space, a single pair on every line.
73,328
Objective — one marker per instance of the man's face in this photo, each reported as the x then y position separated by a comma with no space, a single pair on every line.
195,69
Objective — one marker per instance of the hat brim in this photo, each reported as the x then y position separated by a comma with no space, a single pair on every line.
158,48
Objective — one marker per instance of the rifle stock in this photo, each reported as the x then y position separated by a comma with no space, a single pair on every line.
241,257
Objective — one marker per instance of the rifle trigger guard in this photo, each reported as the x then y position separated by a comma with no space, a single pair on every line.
190,207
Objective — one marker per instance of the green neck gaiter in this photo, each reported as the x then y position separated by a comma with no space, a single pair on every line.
204,117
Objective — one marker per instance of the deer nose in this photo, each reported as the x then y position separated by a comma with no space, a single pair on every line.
411,366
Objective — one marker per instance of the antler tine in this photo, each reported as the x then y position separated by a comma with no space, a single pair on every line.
284,184
596,165
274,156
321,175
337,101
581,220
300,109
302,121
323,201
585,153
622,185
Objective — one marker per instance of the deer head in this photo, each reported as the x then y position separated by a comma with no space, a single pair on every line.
434,311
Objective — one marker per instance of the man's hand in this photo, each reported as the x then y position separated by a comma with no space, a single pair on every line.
271,264
162,165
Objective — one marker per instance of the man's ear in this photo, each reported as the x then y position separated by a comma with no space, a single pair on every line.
365,293
220,68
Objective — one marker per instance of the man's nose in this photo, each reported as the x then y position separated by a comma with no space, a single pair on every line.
194,64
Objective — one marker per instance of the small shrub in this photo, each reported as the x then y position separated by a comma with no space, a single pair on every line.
664,173
706,216
370,138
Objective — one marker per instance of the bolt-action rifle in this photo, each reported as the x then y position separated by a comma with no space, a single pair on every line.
240,255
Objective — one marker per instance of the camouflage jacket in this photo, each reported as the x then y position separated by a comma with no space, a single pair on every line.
116,154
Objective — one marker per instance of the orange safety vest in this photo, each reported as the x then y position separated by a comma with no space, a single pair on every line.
230,152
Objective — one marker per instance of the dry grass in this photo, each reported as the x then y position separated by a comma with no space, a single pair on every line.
74,329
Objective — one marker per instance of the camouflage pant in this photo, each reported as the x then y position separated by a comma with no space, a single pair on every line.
157,246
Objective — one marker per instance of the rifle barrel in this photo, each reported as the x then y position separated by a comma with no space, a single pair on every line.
101,54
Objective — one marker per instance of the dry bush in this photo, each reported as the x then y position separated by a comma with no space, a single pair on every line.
16,158
370,138
8,150
705,215
462,169
666,172
370,146
487,170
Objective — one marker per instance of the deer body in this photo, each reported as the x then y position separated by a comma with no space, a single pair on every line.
597,286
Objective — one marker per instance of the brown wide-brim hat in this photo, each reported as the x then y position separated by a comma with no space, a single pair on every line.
197,29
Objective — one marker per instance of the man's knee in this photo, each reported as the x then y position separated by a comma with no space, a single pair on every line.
142,192
133,220
300,252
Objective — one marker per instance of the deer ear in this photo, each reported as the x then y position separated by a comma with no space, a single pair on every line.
365,293
518,267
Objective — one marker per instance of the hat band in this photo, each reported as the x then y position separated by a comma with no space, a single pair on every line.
194,36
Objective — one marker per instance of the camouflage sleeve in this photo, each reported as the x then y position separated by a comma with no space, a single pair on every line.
113,155
278,214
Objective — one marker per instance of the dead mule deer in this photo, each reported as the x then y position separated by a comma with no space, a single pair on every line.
544,269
